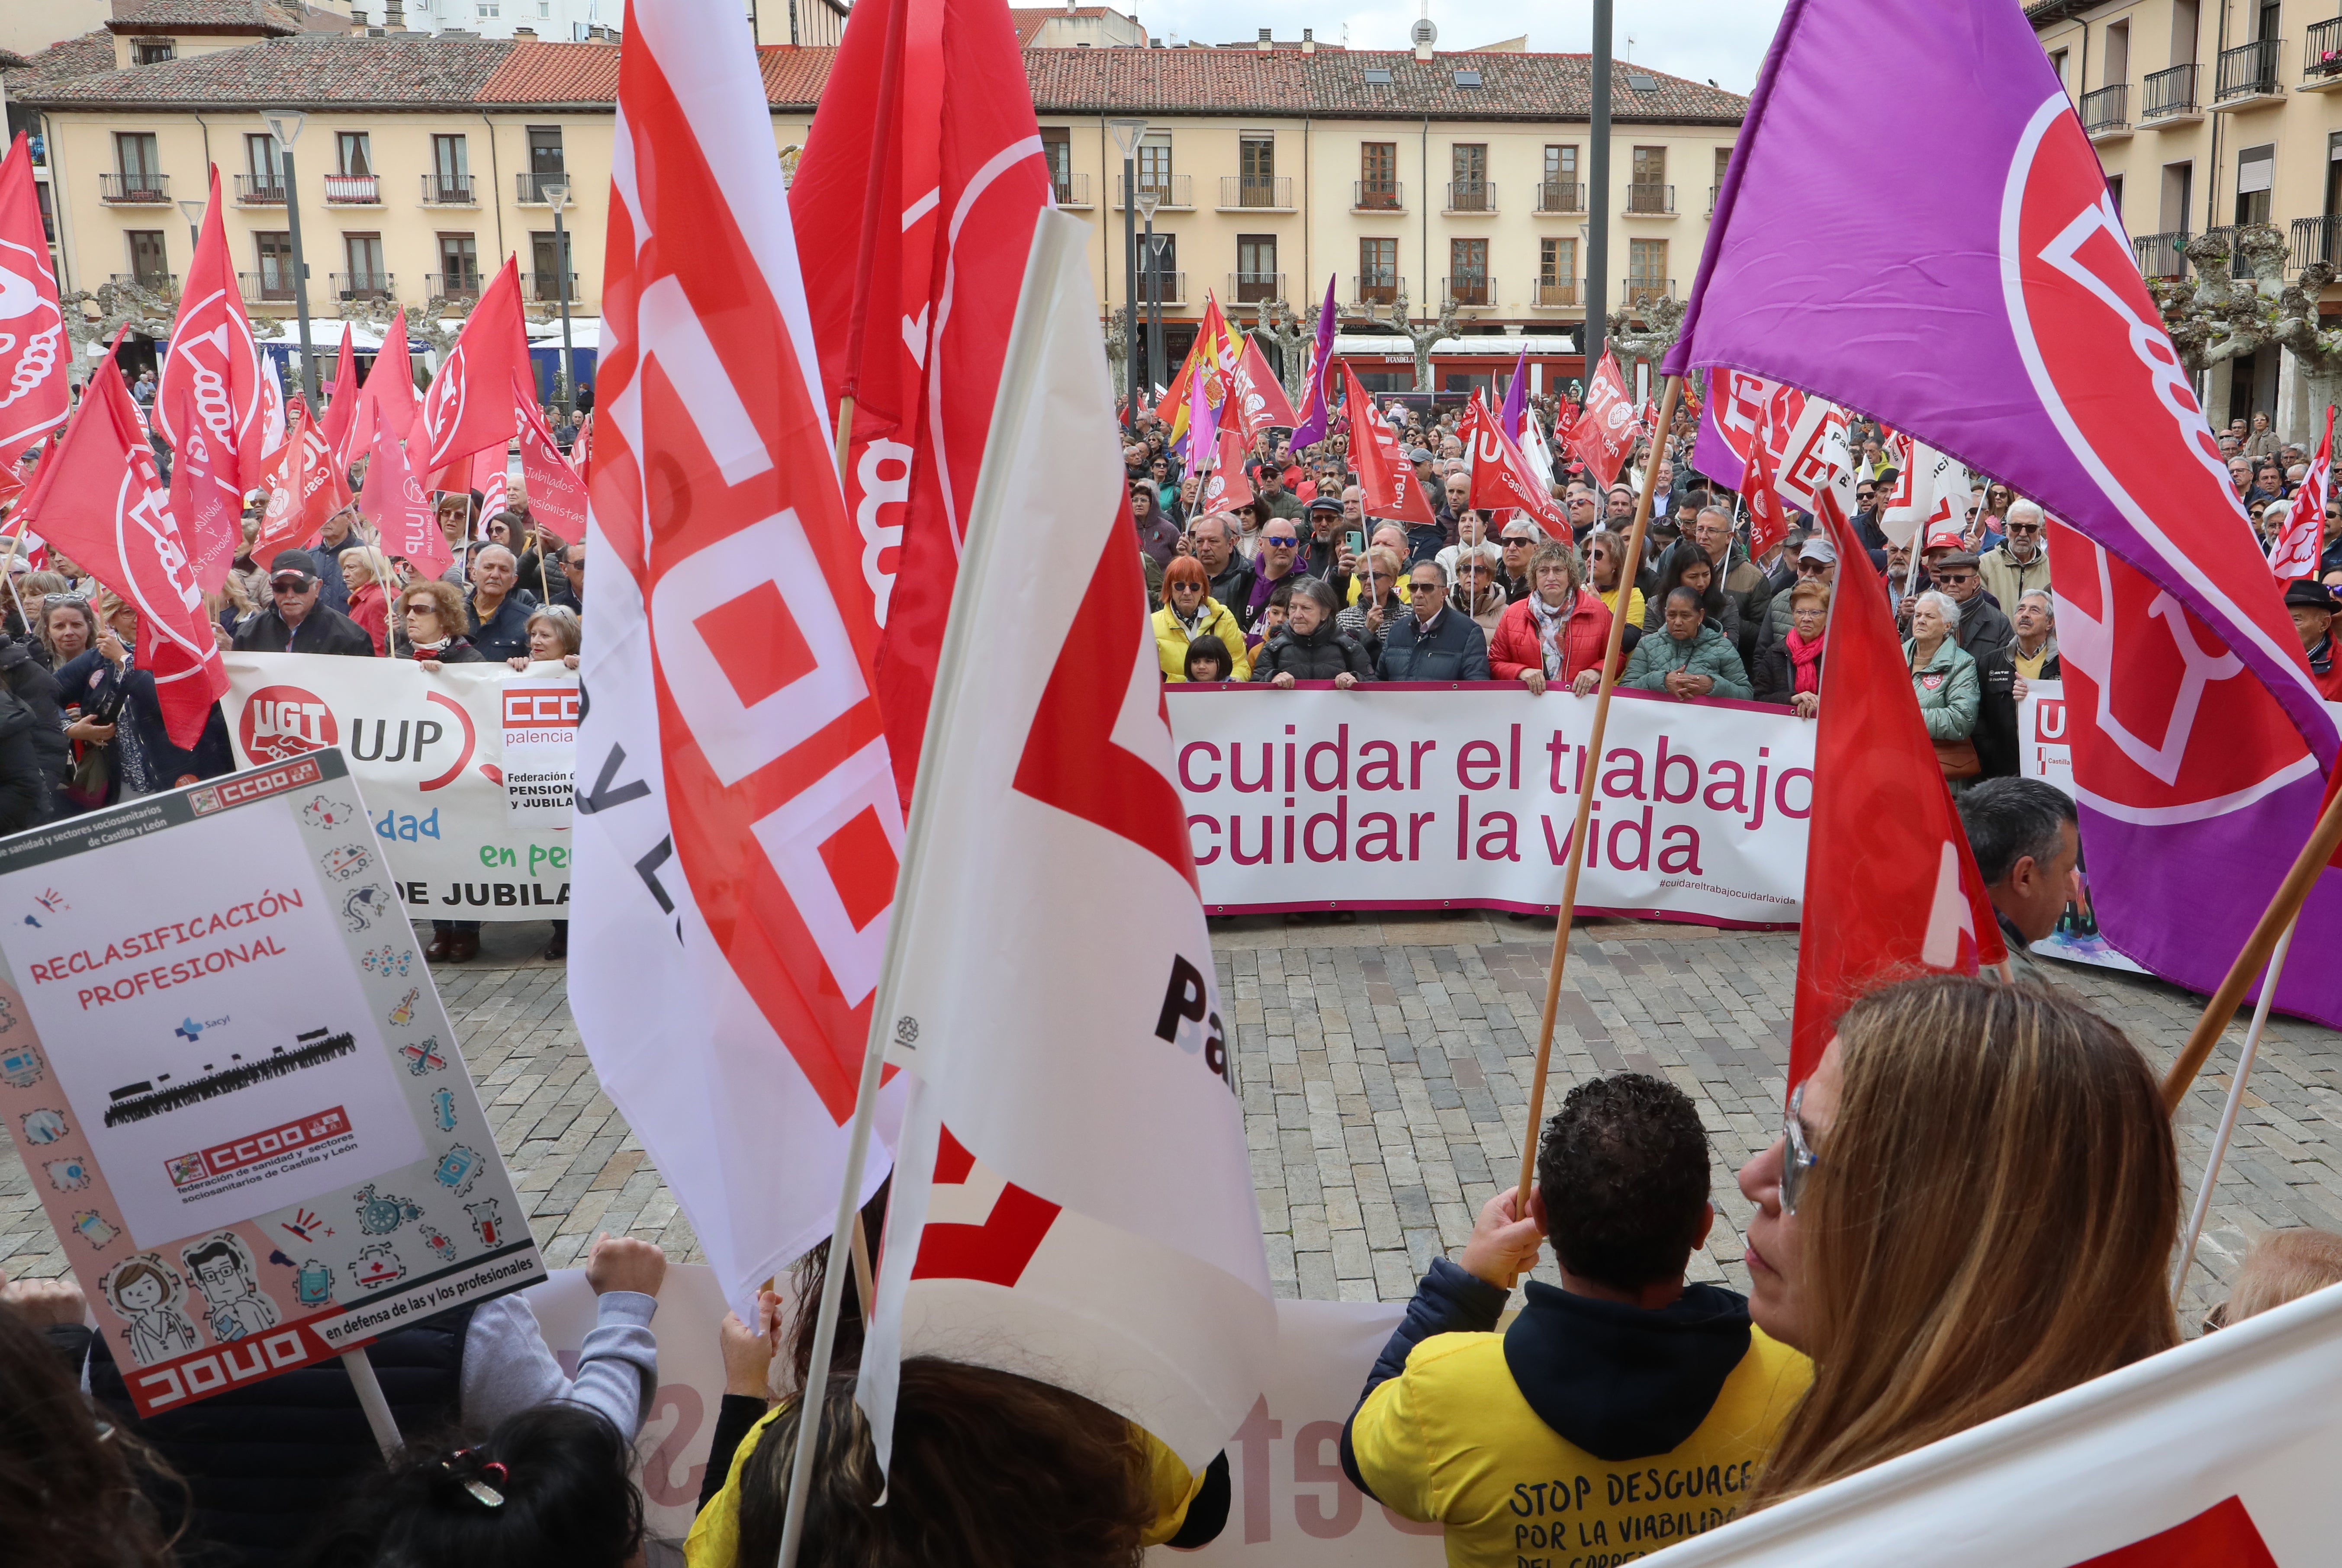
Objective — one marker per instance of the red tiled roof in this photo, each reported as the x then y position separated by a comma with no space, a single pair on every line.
1030,21
206,17
70,57
555,73
314,68
794,76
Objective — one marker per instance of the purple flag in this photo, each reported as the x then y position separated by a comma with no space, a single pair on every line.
1517,401
1316,413
1203,429
1995,311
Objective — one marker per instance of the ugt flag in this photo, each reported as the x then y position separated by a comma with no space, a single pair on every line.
1995,312
738,817
2220,1452
1073,1197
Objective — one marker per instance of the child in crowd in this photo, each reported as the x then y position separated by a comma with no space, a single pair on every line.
2282,1266
1208,659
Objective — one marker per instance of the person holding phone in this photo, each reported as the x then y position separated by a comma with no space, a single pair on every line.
1325,554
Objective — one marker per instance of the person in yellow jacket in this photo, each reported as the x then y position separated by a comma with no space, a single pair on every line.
1620,1413
1190,612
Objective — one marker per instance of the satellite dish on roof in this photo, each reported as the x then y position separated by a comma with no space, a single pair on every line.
1424,34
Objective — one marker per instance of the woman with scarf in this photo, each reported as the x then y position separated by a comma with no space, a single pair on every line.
1479,585
1789,672
431,613
1556,637
1190,612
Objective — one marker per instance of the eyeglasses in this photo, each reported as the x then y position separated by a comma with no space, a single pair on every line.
1423,588
1278,541
1797,1159
1812,568
1955,579
2020,527
301,587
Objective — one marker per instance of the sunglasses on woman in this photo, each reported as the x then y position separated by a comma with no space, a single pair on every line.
1797,1157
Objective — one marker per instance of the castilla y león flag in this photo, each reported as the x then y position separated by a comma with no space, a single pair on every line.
100,499
1072,1198
1995,312
738,820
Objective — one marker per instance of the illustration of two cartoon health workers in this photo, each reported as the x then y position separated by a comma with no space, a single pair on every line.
147,1294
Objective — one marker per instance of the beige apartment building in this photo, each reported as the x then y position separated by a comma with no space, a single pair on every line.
423,161
2208,114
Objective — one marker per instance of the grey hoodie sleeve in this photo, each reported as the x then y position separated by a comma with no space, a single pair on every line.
507,1366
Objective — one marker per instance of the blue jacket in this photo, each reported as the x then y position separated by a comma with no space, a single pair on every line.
1457,650
505,634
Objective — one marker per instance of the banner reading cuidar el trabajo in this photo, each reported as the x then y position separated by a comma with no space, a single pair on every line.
465,768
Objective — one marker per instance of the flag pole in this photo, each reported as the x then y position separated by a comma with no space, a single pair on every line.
2229,1113
2283,910
1589,770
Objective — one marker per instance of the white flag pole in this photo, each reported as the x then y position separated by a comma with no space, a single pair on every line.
2229,1113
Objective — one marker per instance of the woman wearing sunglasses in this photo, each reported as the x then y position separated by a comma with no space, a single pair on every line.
1972,1206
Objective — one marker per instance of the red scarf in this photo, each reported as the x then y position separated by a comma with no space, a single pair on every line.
1806,657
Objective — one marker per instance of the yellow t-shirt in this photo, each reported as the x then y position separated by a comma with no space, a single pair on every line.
714,1538
1634,605
1452,1440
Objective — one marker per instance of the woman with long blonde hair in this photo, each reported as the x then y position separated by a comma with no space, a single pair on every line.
1972,1207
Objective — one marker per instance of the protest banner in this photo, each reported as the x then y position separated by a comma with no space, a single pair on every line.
1412,797
2045,751
467,767
259,1142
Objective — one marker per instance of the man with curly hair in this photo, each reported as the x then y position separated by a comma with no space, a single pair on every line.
1619,1414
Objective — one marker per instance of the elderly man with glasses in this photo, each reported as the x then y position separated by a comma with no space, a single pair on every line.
1278,559
2021,562
294,622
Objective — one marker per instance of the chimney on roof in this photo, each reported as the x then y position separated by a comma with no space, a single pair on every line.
1265,45
1309,40
393,16
1073,7
524,35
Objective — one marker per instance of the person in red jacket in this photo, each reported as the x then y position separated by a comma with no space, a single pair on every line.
1558,634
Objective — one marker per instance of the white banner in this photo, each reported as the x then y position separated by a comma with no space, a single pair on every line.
465,768
1419,797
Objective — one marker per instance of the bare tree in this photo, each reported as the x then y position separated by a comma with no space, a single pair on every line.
1662,325
1422,334
1293,333
94,316
1118,351
2220,317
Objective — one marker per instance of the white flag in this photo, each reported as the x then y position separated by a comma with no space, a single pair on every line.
2219,1451
1930,494
2295,552
1073,1191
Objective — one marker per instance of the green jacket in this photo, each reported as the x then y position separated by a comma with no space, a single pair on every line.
1708,654
1946,688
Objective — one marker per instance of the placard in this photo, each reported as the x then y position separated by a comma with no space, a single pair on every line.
226,1067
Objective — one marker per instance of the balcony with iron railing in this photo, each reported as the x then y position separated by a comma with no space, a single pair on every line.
2316,240
449,191
2321,56
1271,193
1561,197
2238,268
1471,197
451,285
1173,193
2247,75
1643,290
1473,290
1167,287
353,191
1558,294
161,283
1650,201
1377,196
2163,256
259,191
1255,287
2105,113
1070,190
546,288
273,286
134,190
2168,97
1376,288
535,190
362,285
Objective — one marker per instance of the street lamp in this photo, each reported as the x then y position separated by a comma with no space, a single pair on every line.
1126,134
556,196
195,213
1151,258
284,125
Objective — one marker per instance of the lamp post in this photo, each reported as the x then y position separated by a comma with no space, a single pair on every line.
1126,134
1151,260
195,214
1598,190
556,196
284,125
1157,244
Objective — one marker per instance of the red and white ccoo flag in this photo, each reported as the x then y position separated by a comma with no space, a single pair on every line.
212,362
556,495
2295,553
463,411
1073,1196
34,350
738,819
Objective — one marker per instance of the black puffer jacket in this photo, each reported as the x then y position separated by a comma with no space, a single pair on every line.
29,680
1320,655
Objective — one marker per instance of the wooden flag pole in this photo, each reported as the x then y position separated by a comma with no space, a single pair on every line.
2291,894
1589,770
2229,1113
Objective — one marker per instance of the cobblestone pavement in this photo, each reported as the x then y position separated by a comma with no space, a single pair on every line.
1384,1072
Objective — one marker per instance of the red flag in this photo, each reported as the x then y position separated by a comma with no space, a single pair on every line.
460,417
1891,887
913,208
1768,520
1385,478
2295,553
1225,488
212,362
101,501
209,509
388,395
1501,477
305,486
393,502
557,496
341,401
34,352
1604,431
489,468
1258,402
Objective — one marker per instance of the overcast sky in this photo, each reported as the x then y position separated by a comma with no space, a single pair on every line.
1700,39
